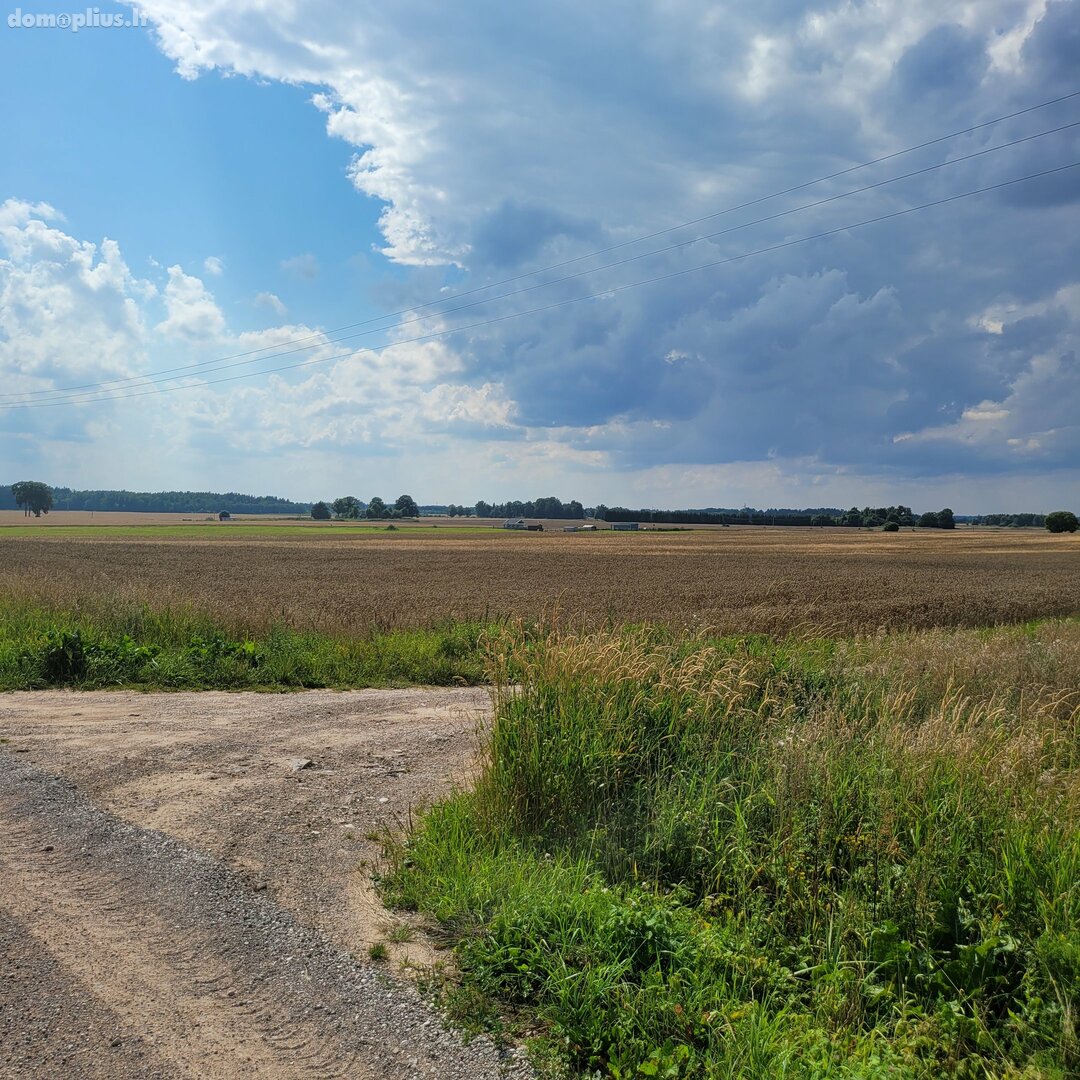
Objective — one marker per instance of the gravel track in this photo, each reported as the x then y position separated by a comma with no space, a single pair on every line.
126,952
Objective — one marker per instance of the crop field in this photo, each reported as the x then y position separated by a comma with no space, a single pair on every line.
346,580
752,802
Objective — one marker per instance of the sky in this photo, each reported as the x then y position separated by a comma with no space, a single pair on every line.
502,251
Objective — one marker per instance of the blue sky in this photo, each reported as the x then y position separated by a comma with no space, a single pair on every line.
238,176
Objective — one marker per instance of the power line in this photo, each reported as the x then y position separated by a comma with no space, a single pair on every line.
323,336
327,340
84,399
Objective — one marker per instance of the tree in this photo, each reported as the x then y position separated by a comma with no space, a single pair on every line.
1061,521
347,507
483,509
945,519
406,506
320,512
32,497
376,508
929,520
822,520
891,526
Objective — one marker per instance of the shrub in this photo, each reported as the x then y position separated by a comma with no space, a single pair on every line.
1062,521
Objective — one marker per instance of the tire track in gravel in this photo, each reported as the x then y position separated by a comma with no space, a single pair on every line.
217,980
52,1025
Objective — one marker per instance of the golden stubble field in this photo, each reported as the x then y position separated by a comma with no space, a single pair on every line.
735,580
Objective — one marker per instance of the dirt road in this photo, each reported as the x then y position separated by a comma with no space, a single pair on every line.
185,884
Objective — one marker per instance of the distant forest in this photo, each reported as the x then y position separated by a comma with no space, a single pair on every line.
164,502
210,502
552,507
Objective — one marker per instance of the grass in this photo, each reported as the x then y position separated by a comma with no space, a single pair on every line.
725,857
246,531
134,645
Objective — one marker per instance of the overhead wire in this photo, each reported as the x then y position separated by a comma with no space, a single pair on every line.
320,339
609,291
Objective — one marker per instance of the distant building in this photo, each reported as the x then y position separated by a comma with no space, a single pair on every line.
515,523
224,516
624,526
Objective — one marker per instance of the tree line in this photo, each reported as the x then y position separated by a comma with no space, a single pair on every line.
37,498
160,502
1011,521
350,508
866,517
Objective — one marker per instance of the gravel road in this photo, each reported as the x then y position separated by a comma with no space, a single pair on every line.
186,884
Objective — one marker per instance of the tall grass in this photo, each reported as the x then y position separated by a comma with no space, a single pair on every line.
700,857
118,644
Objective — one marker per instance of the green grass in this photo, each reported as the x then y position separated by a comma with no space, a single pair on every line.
243,530
131,645
723,858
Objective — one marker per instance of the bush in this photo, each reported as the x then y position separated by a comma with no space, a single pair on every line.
890,526
1062,521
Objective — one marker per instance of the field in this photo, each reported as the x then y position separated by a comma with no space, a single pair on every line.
751,802
739,580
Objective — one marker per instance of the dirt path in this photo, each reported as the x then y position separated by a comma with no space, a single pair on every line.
184,896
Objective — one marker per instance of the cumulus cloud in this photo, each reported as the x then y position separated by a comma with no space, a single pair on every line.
928,346
73,317
67,307
191,310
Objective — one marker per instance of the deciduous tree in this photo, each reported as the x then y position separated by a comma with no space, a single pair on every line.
1062,521
32,497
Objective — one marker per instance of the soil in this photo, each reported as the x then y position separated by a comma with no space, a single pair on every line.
188,884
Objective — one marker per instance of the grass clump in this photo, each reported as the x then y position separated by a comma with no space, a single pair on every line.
135,645
705,857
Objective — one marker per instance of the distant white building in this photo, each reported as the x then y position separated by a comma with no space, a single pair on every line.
515,523
624,526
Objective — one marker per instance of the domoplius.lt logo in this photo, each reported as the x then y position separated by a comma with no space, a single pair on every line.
74,21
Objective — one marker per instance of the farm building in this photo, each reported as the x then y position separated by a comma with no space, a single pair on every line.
522,525
624,526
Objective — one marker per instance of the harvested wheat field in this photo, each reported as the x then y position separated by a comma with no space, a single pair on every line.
738,580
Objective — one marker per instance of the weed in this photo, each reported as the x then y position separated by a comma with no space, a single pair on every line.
690,856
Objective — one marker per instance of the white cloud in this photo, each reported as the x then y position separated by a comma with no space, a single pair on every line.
305,267
191,309
214,266
270,300
79,316
497,145
68,308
